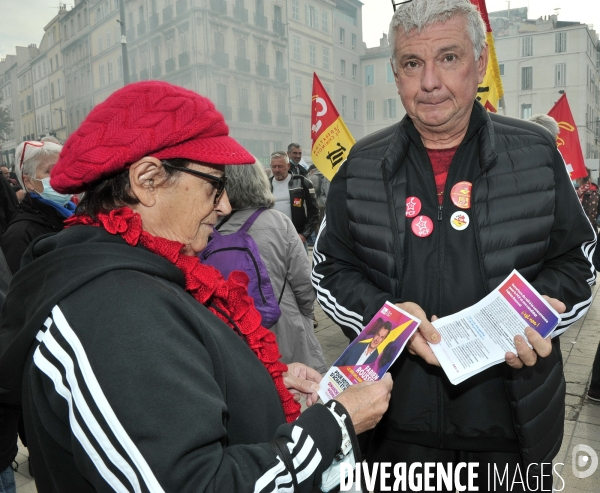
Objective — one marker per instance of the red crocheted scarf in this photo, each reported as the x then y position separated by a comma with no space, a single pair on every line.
228,300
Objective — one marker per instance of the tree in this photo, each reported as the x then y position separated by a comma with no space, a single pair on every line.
5,123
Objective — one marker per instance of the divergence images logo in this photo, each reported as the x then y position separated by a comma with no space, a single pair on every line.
586,463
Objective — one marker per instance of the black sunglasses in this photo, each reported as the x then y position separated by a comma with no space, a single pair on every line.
218,183
397,4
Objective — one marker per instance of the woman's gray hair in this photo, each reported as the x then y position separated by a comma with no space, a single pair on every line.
547,122
420,14
36,153
248,187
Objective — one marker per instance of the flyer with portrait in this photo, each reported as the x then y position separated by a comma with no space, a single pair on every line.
370,355
479,336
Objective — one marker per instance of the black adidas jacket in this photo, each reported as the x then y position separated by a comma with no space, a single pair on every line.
524,215
129,384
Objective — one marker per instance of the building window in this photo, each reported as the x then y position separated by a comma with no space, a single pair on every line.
389,108
297,55
110,71
344,106
501,68
526,78
219,42
560,74
326,58
183,44
343,68
100,44
299,131
353,41
560,42
312,17
59,84
101,72
389,73
298,88
325,22
221,96
296,10
370,110
108,39
312,54
369,75
527,46
354,71
342,36
526,111
355,112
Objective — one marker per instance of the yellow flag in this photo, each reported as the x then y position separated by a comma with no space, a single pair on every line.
331,139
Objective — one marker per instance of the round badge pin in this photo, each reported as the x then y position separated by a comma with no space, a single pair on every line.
422,226
459,220
461,194
413,206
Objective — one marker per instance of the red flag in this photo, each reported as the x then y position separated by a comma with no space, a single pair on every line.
568,138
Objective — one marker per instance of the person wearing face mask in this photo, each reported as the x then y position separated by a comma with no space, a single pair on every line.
42,210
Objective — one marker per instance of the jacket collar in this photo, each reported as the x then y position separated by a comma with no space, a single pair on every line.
480,125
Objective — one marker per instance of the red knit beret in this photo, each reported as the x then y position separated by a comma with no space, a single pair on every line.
151,118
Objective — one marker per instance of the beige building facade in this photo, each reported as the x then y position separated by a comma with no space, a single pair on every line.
56,80
9,99
25,56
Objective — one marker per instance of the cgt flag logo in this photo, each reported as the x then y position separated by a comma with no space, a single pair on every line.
331,139
568,138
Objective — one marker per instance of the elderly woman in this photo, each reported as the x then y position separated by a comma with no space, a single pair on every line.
42,210
283,253
144,369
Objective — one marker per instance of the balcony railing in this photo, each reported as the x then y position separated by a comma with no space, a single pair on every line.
180,7
262,69
170,64
141,29
156,71
283,121
264,117
221,59
260,21
242,64
226,110
130,34
240,13
245,115
279,28
218,6
280,74
184,59
144,74
153,21
167,13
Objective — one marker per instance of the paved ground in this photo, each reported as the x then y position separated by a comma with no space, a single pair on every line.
582,421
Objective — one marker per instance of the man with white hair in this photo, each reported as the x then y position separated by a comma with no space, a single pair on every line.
432,214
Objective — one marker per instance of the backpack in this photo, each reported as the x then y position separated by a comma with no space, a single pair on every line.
238,251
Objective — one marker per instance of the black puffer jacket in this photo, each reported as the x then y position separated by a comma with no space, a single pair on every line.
524,215
33,218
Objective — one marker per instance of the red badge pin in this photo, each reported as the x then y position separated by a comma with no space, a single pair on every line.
461,194
413,206
422,226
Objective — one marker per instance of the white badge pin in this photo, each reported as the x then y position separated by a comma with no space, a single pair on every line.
459,220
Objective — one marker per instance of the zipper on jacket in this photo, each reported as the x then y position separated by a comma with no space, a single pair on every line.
440,207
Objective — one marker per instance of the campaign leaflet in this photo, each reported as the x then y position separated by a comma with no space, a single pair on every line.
479,336
370,355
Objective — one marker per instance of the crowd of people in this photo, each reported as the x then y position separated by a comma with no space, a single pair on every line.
131,360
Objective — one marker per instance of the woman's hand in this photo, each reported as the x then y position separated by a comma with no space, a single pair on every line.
366,402
302,381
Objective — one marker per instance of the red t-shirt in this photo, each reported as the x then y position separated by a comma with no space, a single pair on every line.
440,162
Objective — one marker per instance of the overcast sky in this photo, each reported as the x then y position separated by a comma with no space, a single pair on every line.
22,21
